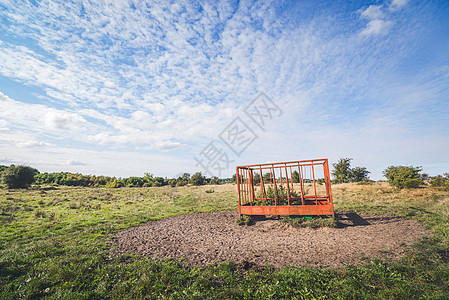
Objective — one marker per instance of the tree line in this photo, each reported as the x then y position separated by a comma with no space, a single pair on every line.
23,176
398,176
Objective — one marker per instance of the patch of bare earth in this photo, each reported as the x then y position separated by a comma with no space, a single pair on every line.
204,238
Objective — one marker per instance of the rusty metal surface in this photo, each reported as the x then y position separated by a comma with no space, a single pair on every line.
285,188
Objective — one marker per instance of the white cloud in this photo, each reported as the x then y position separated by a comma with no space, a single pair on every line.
31,144
377,27
373,12
3,124
74,162
64,121
397,4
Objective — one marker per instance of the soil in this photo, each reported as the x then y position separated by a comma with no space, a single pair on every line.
204,238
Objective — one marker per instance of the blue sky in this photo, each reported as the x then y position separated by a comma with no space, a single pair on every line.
126,87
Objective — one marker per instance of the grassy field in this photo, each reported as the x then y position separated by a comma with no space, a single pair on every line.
54,244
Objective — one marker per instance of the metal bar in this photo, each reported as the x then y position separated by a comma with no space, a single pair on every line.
314,184
291,176
251,186
288,186
301,184
275,188
262,187
326,163
237,170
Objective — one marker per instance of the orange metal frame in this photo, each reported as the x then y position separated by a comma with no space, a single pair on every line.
285,188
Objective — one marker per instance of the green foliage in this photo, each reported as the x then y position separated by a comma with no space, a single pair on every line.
214,180
148,180
172,182
234,178
295,176
197,179
280,194
343,172
244,220
403,176
256,178
359,174
315,222
440,181
266,178
183,180
18,176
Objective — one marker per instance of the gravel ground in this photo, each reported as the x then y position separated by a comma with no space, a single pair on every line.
204,238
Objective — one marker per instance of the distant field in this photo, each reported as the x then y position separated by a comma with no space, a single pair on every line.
54,243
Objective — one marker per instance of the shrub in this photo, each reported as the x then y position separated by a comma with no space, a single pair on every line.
197,179
359,174
214,180
403,176
244,220
440,181
18,176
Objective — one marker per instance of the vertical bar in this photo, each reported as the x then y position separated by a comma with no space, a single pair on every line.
288,186
251,186
248,191
301,184
291,176
238,188
245,192
330,191
262,187
314,184
275,186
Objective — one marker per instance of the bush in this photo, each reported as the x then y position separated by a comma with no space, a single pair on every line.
440,181
18,176
403,176
197,179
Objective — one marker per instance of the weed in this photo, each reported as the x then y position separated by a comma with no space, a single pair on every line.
315,222
244,220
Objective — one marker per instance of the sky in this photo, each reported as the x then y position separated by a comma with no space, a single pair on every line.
122,88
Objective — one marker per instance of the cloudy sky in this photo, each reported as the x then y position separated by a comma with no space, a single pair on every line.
126,87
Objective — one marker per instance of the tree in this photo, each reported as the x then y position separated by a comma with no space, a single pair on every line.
439,181
266,177
256,178
295,176
214,180
342,170
234,178
344,173
403,176
359,174
197,179
18,176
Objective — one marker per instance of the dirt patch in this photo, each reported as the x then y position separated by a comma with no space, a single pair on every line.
200,239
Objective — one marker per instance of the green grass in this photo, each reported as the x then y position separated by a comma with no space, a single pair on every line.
54,244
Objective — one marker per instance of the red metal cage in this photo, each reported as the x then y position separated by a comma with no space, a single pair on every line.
285,188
